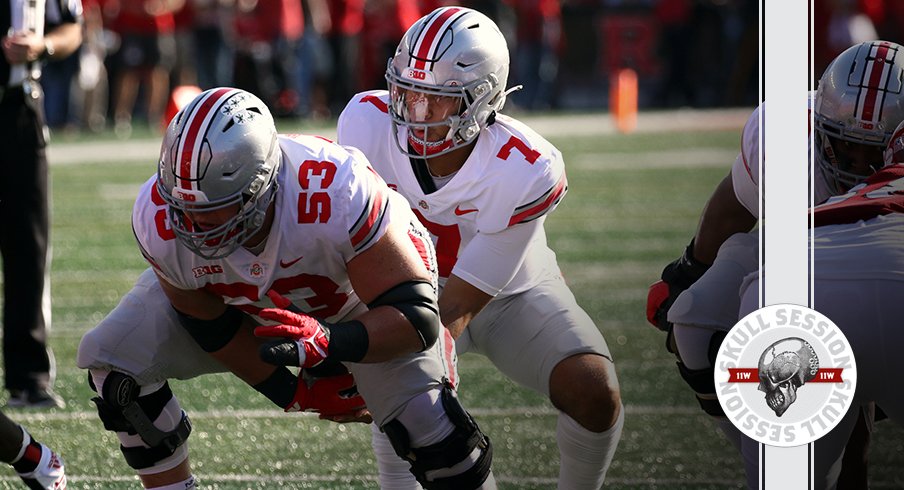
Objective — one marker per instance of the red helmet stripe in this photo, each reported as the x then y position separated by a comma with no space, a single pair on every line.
877,69
191,143
427,43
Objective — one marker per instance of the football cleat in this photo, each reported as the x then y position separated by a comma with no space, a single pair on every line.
36,398
48,475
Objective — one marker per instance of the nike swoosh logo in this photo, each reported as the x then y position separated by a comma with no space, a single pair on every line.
290,263
462,212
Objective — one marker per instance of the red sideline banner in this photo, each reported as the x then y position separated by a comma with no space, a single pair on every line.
752,375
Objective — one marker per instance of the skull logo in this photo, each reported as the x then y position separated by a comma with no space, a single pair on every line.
784,367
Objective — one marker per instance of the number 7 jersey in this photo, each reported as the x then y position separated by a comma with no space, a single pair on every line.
512,177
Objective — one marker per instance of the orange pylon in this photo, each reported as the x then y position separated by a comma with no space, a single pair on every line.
179,98
623,99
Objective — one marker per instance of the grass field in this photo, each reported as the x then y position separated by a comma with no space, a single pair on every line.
632,207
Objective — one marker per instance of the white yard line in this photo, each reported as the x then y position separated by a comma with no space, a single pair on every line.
267,414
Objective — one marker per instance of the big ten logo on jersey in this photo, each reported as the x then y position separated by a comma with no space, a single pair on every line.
206,270
785,375
314,178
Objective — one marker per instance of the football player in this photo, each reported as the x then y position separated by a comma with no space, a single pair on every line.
483,183
243,227
38,466
858,282
857,105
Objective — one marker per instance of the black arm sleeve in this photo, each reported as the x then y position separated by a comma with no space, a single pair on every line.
417,301
280,387
213,335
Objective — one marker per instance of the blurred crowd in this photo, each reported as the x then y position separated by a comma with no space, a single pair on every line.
306,58
839,24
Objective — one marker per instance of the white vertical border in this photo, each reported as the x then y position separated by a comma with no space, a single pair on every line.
785,256
811,120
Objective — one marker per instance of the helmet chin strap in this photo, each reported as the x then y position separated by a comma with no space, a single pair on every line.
428,148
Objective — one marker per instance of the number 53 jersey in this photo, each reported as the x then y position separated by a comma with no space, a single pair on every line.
330,206
512,179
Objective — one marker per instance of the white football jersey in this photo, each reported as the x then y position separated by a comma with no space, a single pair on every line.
512,176
330,206
745,173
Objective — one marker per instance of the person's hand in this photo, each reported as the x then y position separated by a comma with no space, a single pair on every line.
305,342
335,398
22,47
679,275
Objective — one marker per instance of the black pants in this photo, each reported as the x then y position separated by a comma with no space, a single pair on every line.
24,234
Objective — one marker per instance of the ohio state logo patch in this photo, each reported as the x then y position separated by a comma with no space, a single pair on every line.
256,270
785,375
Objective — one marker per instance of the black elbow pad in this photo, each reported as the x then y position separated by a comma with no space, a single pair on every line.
417,301
213,335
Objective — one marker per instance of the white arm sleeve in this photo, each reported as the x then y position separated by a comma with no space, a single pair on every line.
491,260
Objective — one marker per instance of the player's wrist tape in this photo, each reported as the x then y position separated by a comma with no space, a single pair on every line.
690,263
279,387
684,271
348,340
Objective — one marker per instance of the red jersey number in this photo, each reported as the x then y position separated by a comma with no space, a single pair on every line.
160,221
315,206
530,154
324,301
447,240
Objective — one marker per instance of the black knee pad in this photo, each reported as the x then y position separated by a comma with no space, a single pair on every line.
447,453
702,381
121,409
704,386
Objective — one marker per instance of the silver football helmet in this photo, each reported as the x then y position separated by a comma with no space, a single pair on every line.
894,152
220,151
448,75
858,103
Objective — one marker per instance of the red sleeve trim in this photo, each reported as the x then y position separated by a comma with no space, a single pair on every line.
379,104
369,221
541,206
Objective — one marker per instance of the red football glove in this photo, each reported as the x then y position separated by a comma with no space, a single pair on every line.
656,297
332,397
676,277
306,342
